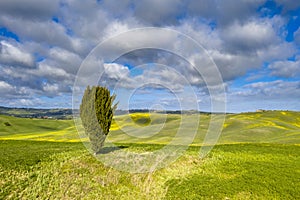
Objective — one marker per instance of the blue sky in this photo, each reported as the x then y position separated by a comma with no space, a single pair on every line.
254,44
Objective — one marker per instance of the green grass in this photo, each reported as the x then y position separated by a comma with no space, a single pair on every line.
37,129
243,171
49,170
21,155
257,157
271,126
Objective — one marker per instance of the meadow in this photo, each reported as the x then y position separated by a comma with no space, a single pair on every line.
256,157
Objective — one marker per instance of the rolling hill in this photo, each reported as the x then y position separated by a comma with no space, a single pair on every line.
14,128
256,127
44,159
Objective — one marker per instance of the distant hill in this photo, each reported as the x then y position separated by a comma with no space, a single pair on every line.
65,113
123,112
58,113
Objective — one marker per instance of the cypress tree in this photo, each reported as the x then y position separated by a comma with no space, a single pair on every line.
96,113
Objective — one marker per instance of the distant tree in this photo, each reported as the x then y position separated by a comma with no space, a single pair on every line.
96,113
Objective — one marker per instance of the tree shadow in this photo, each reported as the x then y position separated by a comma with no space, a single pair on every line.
106,150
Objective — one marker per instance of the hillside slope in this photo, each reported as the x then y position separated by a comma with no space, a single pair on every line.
37,129
257,127
269,126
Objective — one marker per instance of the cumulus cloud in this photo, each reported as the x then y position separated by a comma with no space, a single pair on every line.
50,89
156,12
224,12
50,72
153,75
274,89
54,37
31,9
14,54
5,87
116,71
64,59
89,22
240,47
286,69
46,32
161,77
250,37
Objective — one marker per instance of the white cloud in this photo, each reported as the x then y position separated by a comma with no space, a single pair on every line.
157,12
55,36
5,87
139,38
249,37
32,9
14,54
50,72
155,76
116,71
46,32
224,12
51,88
274,89
286,69
265,95
161,76
232,66
114,29
64,59
203,33
241,46
277,51
87,20
27,102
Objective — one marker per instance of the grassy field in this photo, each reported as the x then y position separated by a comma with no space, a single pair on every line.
12,128
260,127
257,157
265,127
